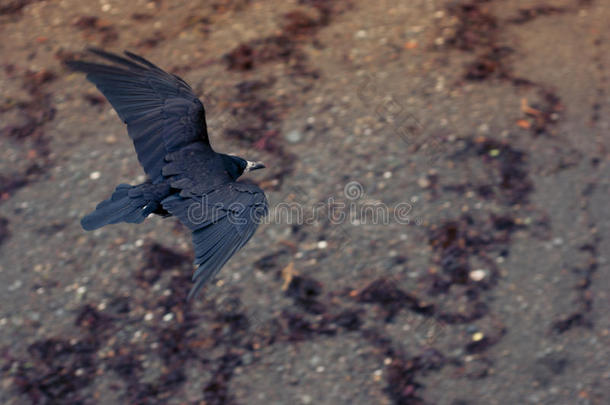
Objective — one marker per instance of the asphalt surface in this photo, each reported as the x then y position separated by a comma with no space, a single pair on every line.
438,177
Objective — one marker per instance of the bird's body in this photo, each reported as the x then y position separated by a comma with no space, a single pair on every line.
186,177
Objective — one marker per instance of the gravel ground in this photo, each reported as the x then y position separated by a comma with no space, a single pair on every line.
446,169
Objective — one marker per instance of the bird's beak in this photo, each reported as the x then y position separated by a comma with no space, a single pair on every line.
254,166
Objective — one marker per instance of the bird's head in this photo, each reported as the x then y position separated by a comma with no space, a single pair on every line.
237,166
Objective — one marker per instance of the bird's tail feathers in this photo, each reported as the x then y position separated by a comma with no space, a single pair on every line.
127,204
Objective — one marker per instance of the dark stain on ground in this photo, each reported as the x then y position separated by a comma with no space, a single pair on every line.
272,261
584,273
403,371
157,260
86,22
513,182
490,64
602,73
392,299
401,384
92,321
296,327
254,115
525,15
4,232
14,6
304,291
26,130
62,55
119,305
152,41
456,244
570,321
584,297
52,228
94,28
34,113
481,237
95,99
479,31
247,56
476,26
349,319
13,182
57,370
301,25
509,181
225,6
216,391
297,28
141,16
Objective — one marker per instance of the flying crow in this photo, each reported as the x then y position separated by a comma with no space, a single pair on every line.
185,176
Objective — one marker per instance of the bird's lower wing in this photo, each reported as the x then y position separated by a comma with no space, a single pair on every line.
222,222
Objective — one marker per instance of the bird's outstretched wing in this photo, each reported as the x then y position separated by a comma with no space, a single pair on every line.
161,112
222,216
222,221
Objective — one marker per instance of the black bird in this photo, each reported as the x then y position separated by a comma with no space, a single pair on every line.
185,176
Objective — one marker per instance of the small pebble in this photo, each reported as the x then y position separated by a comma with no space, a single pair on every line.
478,275
15,286
95,175
294,136
557,241
423,182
